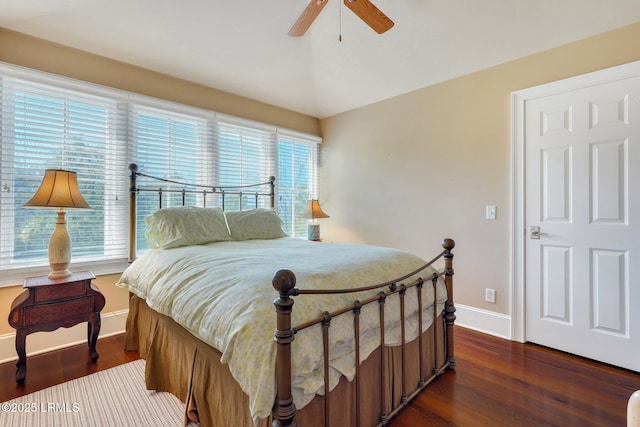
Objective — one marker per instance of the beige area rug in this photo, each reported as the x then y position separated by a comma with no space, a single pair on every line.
116,397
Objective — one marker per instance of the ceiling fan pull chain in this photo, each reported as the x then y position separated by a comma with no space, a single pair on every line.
340,23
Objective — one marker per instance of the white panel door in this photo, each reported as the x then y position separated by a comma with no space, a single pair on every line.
582,218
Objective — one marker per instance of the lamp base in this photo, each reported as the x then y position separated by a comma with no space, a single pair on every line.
60,249
59,274
313,231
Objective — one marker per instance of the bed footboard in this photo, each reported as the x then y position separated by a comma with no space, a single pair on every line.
284,281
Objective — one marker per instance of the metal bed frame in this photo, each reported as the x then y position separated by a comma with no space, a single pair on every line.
284,281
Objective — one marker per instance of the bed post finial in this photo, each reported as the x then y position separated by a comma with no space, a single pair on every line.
284,281
133,176
284,410
449,308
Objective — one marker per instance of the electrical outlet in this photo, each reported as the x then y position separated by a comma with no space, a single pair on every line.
490,295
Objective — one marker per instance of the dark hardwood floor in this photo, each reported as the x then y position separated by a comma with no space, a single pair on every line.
503,383
55,367
496,383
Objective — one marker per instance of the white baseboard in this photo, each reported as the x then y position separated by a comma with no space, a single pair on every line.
486,321
40,342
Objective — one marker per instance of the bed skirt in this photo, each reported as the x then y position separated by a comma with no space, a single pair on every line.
179,363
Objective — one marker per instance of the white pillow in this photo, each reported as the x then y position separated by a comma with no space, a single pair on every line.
255,224
184,226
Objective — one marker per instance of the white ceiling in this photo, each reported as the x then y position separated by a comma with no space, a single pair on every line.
242,46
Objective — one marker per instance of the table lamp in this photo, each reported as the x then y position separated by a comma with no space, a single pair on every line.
313,211
59,190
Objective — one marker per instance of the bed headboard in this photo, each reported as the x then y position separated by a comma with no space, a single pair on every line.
164,186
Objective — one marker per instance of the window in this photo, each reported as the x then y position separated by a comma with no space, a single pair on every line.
296,181
171,145
51,122
44,127
245,156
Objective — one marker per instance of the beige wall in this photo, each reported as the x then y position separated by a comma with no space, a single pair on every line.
411,170
42,55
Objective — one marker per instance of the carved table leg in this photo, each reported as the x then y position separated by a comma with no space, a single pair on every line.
21,338
93,331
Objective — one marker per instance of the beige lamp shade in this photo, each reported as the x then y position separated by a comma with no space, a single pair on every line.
59,189
313,211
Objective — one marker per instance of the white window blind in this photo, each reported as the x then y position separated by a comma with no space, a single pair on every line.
49,122
171,145
297,181
245,156
45,127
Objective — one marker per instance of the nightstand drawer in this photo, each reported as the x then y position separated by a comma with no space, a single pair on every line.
77,310
56,292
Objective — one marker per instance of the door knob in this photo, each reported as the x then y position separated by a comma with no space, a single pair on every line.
536,233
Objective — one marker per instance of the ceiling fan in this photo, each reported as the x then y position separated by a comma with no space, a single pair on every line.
365,10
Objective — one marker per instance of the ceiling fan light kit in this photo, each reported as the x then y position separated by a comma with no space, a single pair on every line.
364,9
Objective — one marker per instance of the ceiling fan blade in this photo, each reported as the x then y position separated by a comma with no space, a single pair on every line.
370,14
309,14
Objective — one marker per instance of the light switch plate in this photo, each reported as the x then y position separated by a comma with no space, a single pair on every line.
491,212
490,295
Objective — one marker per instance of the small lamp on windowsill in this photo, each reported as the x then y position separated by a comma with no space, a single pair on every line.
59,190
314,211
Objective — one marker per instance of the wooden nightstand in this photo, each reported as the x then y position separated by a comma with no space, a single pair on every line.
48,304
